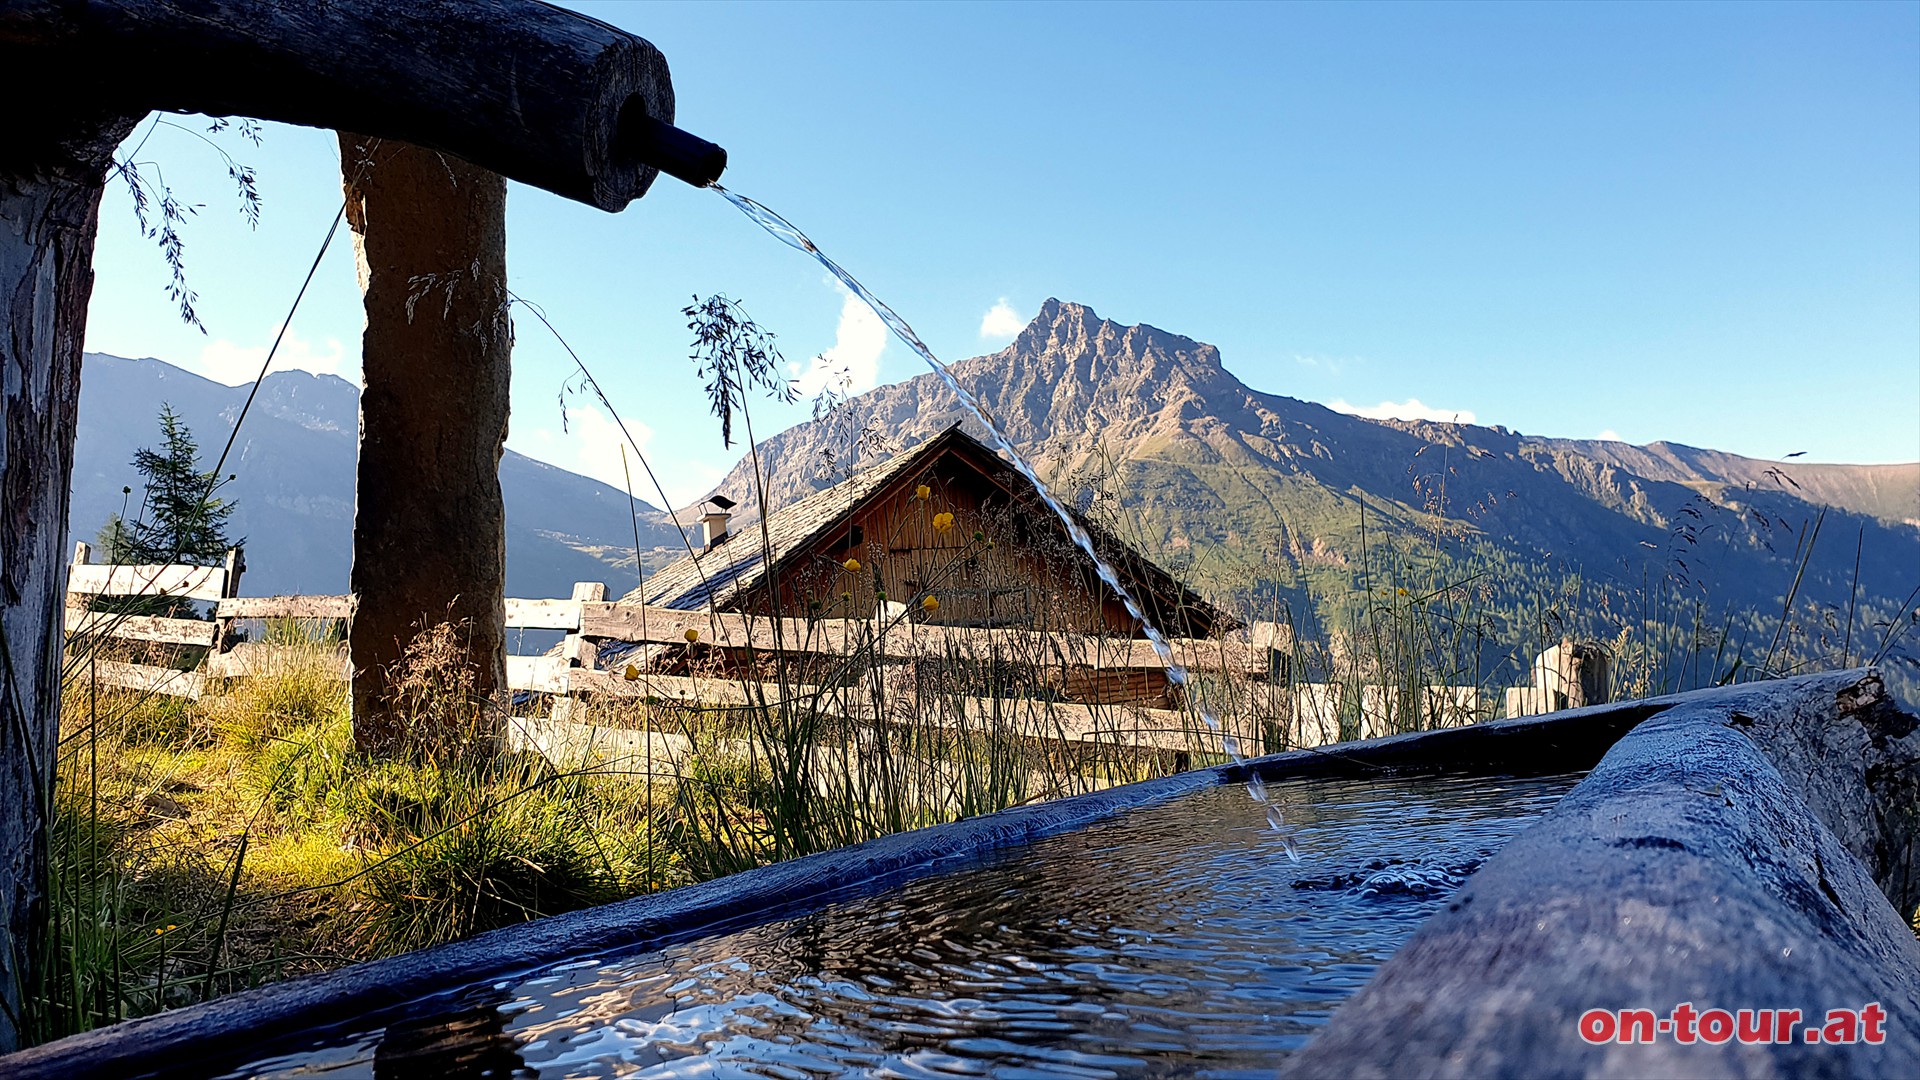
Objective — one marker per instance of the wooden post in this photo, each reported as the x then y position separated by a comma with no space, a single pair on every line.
49,214
236,564
429,526
579,650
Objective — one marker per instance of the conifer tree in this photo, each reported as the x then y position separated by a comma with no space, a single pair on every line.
182,520
115,541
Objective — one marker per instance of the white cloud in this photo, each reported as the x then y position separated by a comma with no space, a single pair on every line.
1001,321
1610,435
1332,365
1410,409
692,479
853,363
233,364
590,445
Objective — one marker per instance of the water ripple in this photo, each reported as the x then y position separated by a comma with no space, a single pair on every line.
1177,941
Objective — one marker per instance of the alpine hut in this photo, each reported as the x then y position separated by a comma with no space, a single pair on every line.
948,521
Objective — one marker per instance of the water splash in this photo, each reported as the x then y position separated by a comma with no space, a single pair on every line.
785,231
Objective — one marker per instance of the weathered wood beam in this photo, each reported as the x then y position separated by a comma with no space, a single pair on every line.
155,628
527,90
185,582
543,614
634,623
254,658
579,652
285,607
1120,725
146,678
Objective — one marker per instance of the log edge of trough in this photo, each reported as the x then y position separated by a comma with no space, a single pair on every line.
1700,862
227,1032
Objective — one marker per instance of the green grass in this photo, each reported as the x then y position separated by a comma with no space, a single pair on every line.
202,847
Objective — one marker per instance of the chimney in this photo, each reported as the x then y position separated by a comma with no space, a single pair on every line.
714,523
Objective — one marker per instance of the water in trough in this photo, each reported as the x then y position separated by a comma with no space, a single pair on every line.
1178,940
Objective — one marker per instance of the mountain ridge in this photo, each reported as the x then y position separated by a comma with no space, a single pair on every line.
1027,396
294,464
1267,495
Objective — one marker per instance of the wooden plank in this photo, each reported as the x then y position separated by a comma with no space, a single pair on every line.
583,652
544,674
657,625
191,582
906,640
145,677
285,607
1125,725
253,658
1121,725
543,614
236,564
622,750
681,689
143,627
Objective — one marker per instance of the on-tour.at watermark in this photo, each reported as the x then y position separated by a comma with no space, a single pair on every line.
1686,1025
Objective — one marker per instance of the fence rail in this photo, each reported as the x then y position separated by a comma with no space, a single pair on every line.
1085,688
1114,680
648,625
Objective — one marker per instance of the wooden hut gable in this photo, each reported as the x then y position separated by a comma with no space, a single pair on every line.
1031,575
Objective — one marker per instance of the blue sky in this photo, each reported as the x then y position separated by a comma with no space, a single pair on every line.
1694,223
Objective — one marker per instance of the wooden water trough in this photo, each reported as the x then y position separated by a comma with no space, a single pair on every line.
1741,846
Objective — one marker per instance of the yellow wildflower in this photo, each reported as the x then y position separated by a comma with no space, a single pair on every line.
1403,592
633,673
851,566
692,635
942,522
923,493
930,605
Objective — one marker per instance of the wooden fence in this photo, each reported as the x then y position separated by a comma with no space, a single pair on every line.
87,581
1114,679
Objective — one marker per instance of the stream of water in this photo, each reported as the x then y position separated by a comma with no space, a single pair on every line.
785,231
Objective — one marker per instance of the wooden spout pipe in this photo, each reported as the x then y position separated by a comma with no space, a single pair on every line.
538,94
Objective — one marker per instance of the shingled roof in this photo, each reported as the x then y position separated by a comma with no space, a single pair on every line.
722,575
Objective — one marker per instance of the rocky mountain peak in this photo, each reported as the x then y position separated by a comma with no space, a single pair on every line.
1068,379
1069,342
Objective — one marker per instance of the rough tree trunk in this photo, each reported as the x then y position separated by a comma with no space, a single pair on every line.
49,214
429,529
